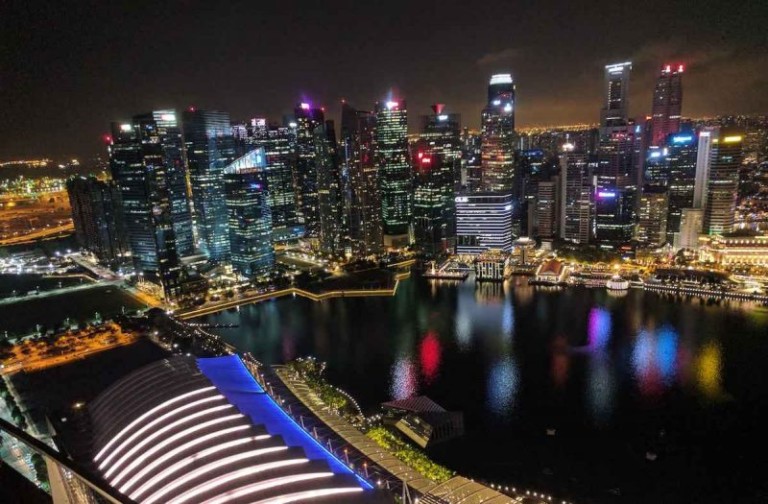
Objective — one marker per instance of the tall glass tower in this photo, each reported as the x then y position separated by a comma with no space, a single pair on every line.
161,139
250,218
139,169
437,175
616,108
358,129
498,136
667,104
210,147
391,150
723,184
308,119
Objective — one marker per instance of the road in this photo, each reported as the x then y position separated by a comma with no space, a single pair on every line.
58,292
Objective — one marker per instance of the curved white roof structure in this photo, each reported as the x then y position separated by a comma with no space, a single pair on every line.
186,430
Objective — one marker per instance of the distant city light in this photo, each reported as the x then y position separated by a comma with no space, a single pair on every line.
168,117
732,139
442,117
126,127
606,194
304,106
682,139
392,104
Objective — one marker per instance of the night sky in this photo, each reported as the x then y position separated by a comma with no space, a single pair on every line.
68,67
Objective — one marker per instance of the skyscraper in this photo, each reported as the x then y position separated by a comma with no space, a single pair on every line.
391,150
308,119
160,135
652,216
279,144
437,175
576,195
681,163
483,222
691,224
547,203
723,182
210,147
358,129
250,218
471,161
667,104
616,108
498,135
139,168
98,218
330,203
703,159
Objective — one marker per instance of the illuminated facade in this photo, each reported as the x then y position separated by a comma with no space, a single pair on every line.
681,163
358,129
615,112
98,218
652,212
249,215
547,204
279,144
736,248
667,104
691,224
437,174
308,120
723,182
498,136
483,222
210,147
576,195
204,430
329,190
395,176
138,165
161,140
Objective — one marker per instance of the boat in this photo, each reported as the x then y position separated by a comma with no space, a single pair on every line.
617,283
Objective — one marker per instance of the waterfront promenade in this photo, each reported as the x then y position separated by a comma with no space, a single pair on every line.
457,489
295,291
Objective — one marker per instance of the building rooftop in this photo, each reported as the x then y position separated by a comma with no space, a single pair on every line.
203,430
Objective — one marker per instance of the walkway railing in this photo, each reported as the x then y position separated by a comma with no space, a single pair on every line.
70,482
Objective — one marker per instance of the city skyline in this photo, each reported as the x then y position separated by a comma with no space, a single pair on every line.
556,66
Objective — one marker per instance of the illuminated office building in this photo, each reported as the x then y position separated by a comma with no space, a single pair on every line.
250,218
691,225
547,204
147,179
210,147
667,104
723,182
681,163
576,195
391,151
498,136
437,175
308,119
98,218
703,159
615,111
483,222
358,129
471,161
652,212
279,144
329,190
161,136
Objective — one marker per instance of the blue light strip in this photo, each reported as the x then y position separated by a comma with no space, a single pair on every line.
230,376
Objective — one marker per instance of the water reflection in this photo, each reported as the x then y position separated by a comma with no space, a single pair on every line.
599,329
430,356
708,370
404,383
502,387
